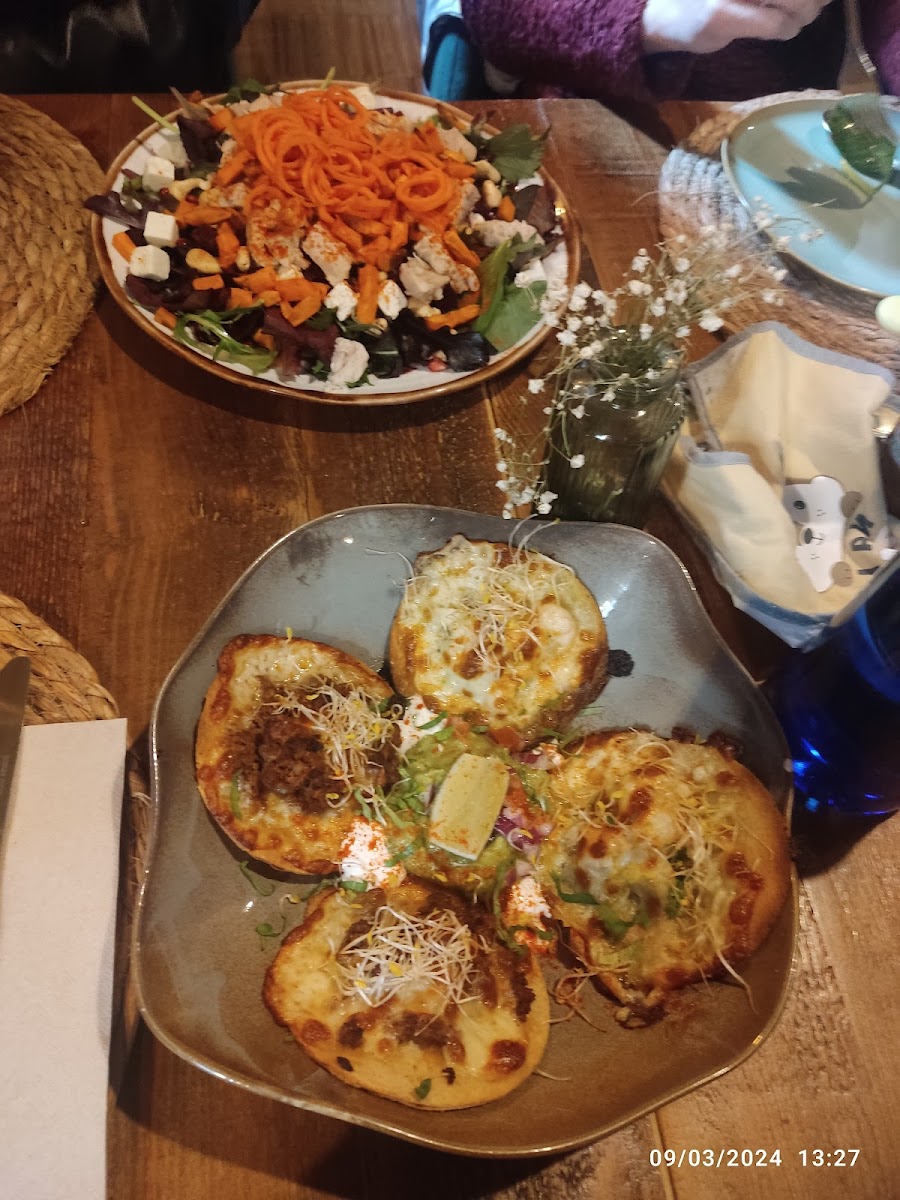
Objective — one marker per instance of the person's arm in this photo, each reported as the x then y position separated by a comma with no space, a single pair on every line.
591,47
880,21
641,49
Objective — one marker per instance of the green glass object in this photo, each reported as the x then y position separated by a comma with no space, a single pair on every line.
626,435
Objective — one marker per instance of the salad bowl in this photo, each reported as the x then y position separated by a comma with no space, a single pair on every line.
422,381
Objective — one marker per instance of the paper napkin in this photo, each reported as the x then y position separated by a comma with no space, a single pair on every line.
58,884
777,472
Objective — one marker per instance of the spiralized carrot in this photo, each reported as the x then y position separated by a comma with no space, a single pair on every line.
321,155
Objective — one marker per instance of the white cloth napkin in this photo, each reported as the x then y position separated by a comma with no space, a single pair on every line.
58,883
778,473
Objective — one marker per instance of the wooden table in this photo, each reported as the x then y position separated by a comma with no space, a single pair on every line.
135,491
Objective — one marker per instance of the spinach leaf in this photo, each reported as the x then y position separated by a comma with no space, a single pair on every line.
492,275
518,310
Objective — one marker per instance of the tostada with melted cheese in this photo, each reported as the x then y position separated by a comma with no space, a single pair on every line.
406,992
500,635
292,737
668,862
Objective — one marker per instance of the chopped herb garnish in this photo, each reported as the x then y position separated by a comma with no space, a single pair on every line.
573,897
423,1089
353,885
269,931
613,923
435,721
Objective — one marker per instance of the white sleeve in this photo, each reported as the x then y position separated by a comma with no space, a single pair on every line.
704,26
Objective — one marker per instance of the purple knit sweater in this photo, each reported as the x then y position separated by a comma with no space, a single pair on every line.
593,48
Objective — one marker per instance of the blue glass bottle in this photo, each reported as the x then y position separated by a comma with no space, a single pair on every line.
839,706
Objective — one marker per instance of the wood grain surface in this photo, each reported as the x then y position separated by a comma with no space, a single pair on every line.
135,492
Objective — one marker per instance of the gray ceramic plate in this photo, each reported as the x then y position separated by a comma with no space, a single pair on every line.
199,962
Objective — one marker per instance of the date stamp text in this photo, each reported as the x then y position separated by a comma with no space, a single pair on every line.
733,1156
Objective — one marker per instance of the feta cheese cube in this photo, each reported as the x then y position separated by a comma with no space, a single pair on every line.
150,262
171,147
161,229
342,299
158,173
349,361
391,299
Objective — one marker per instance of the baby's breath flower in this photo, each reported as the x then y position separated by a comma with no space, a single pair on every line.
614,340
711,322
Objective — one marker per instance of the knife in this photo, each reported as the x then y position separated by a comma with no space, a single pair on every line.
13,691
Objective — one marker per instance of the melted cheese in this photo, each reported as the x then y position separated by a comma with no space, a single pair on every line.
499,633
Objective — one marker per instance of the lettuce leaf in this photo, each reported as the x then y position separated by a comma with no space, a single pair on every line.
516,152
256,358
509,311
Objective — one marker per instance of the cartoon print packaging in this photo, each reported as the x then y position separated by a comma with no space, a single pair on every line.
777,471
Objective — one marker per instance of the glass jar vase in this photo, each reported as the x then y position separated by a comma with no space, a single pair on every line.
623,441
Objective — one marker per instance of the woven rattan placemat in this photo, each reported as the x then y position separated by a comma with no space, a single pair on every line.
64,687
694,192
48,272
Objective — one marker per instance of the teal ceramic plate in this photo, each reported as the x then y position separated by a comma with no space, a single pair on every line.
783,157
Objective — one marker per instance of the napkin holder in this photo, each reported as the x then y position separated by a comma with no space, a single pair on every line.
776,473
